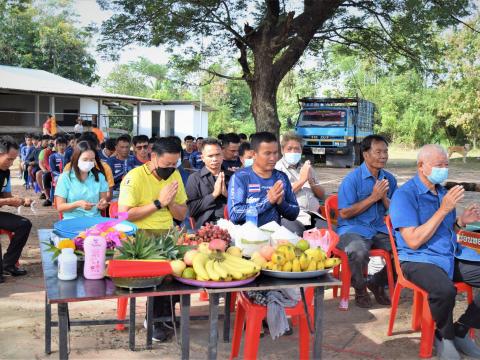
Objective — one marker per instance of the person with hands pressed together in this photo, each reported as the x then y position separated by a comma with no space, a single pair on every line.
207,188
304,185
18,225
153,196
363,201
261,183
424,218
82,189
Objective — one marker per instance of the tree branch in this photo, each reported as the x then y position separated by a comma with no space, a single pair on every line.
465,24
213,72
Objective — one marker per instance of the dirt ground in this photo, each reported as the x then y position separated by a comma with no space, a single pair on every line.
355,334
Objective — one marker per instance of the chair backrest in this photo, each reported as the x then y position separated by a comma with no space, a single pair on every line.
391,235
113,209
192,222
225,213
331,210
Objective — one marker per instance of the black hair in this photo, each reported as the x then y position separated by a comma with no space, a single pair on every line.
167,145
36,137
199,138
27,136
210,141
152,140
188,137
124,138
366,143
78,136
80,148
242,136
230,138
46,137
110,144
7,143
61,140
139,139
90,137
244,147
261,137
220,136
176,139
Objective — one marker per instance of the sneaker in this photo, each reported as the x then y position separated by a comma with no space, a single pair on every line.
161,333
14,271
47,203
379,293
467,346
362,299
43,196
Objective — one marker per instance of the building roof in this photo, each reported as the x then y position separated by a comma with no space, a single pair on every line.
21,80
195,103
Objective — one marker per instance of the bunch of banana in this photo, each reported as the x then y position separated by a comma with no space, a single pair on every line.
287,257
223,267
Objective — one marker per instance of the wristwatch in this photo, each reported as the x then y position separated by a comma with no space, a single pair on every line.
157,204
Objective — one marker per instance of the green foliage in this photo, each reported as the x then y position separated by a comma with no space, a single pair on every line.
42,36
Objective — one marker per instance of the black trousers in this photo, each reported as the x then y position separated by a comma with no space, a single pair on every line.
441,292
162,306
21,227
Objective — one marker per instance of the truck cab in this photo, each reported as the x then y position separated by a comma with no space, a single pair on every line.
332,129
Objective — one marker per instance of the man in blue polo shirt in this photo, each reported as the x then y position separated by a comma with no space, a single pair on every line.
363,201
122,162
262,184
424,217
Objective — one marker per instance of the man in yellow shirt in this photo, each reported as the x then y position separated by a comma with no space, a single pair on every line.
153,195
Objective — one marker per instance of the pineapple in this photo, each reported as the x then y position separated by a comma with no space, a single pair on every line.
153,246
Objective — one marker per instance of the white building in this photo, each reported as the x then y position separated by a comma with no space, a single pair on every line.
27,96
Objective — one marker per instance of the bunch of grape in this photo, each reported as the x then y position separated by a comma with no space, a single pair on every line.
209,232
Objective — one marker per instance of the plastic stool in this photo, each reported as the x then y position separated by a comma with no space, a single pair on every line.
121,312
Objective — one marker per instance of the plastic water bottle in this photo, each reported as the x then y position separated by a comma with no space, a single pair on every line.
95,247
67,265
252,213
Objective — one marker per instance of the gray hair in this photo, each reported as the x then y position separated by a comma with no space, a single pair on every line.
7,143
427,150
290,136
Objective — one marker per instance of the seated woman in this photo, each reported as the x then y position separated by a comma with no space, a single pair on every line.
304,184
82,190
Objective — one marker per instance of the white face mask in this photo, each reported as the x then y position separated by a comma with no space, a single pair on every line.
85,166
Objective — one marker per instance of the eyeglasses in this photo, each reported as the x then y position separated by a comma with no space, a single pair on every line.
140,147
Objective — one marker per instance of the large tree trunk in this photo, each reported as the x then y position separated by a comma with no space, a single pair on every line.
264,104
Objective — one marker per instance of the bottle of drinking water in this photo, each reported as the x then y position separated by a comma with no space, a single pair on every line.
252,212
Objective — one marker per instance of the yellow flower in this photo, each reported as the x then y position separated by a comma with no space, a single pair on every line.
66,244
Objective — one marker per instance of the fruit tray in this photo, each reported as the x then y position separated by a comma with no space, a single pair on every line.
295,275
215,284
138,283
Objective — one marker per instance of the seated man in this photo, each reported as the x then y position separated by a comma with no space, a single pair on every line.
121,163
263,184
108,149
304,185
363,200
189,142
140,149
424,218
196,161
207,188
153,195
230,146
20,226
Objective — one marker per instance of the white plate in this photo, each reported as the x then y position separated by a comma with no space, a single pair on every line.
123,227
318,151
295,275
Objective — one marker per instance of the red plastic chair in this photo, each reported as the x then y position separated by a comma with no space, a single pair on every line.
10,237
225,213
343,272
421,315
253,315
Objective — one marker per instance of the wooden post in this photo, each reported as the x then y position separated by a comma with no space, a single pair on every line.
37,111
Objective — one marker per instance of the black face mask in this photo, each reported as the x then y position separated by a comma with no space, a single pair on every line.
164,173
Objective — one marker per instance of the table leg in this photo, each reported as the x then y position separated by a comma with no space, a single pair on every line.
131,326
149,322
318,339
213,319
48,326
185,325
63,330
226,318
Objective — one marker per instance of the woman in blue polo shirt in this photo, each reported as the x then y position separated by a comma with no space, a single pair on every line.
82,191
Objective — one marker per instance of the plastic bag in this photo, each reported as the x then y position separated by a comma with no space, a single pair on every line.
318,238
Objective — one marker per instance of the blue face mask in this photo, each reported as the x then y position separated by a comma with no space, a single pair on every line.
292,158
438,175
248,162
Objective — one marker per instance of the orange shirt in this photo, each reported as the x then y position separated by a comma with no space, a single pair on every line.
99,134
